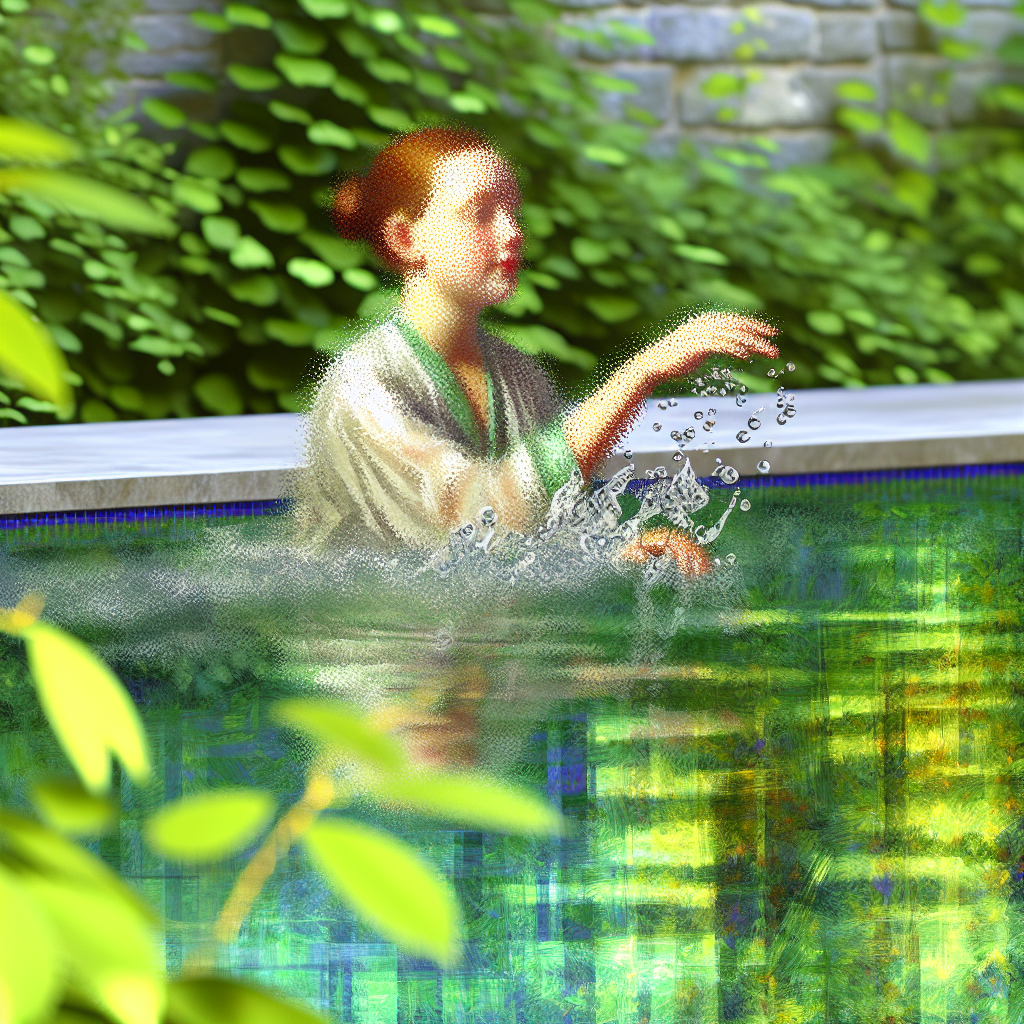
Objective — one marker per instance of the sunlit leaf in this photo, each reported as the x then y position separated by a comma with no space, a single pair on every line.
612,309
217,392
435,25
108,947
538,340
338,727
224,1001
209,826
88,709
824,321
30,967
69,808
312,273
701,254
323,9
165,114
85,197
30,356
909,137
250,253
387,884
471,799
25,142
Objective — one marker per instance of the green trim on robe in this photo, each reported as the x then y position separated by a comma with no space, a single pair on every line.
551,454
451,390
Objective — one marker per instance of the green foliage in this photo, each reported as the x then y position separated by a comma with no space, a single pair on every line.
72,933
388,885
209,826
226,316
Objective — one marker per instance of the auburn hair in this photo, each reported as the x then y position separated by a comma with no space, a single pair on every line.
399,180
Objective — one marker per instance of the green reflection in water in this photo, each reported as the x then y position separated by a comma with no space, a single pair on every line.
795,797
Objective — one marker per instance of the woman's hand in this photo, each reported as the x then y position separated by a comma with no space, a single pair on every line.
691,558
685,348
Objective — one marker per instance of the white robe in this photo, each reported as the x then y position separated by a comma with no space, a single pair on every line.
394,454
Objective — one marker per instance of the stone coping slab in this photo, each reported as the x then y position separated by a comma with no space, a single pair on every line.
249,458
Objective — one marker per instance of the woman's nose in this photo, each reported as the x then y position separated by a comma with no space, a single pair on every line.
509,231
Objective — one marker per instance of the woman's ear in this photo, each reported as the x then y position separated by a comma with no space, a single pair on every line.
397,235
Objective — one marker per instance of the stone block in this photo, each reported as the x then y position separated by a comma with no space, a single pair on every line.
170,32
964,105
684,33
157,64
846,37
181,6
655,84
840,3
911,81
901,30
988,28
821,83
781,98
618,50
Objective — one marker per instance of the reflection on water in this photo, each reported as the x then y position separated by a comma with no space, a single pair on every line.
795,786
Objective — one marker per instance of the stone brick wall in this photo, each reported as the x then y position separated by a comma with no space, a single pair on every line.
802,51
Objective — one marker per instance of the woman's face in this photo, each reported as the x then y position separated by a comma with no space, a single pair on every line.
467,242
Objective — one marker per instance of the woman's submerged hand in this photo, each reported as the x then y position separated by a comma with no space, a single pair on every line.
692,559
681,351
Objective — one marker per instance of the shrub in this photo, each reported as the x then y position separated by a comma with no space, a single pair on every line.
899,260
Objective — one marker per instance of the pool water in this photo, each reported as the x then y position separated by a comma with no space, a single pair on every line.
795,789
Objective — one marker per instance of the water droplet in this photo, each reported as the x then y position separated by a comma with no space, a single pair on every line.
467,531
655,427
628,453
767,444
728,475
781,419
744,505
698,415
711,412
718,460
742,436
743,389
764,466
772,372
790,411
754,423
663,406
488,517
709,425
791,367
730,559
689,433
676,436
677,457
672,403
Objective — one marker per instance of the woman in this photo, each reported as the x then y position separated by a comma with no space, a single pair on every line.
426,420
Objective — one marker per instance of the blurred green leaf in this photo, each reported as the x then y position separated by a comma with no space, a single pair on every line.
327,133
283,218
30,356
338,253
224,1001
942,13
247,15
858,120
307,160
305,71
908,136
538,340
612,309
221,232
387,884
218,393
30,965
165,114
28,143
211,162
435,25
88,198
338,727
252,79
108,949
88,709
701,254
251,254
856,91
69,808
263,179
207,827
824,321
324,9
473,800
312,273
244,136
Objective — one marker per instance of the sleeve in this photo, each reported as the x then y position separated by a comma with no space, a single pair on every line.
405,479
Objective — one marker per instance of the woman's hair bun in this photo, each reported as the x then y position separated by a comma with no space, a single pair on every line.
348,211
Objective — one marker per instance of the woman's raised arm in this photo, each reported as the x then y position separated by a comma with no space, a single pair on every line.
605,417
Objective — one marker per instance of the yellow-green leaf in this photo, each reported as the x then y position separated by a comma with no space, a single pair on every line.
67,807
223,1001
473,800
29,963
108,949
209,826
701,254
388,885
336,726
30,356
88,709
28,143
909,137
85,197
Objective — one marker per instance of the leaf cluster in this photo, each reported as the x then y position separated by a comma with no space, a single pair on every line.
897,261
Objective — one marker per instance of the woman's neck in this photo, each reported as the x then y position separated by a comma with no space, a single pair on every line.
446,325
